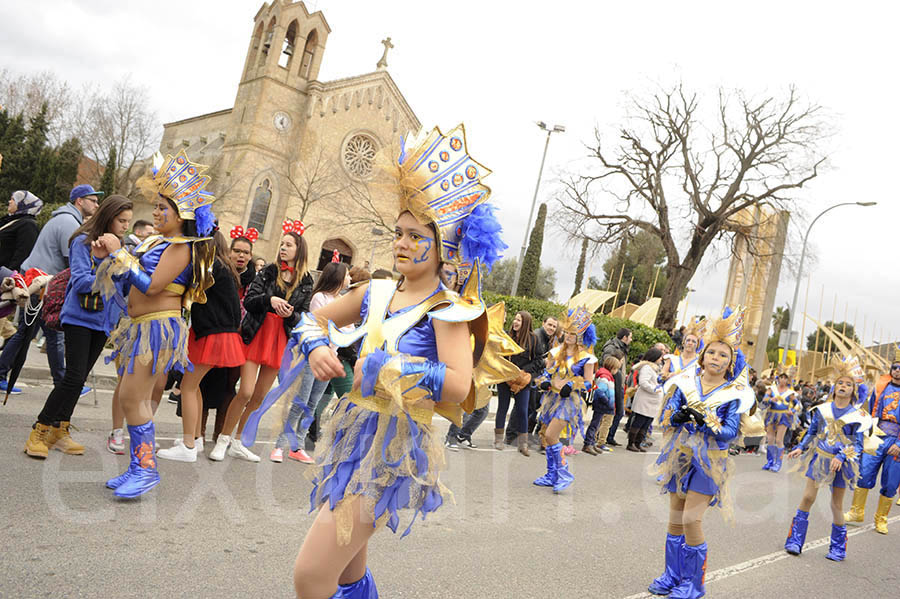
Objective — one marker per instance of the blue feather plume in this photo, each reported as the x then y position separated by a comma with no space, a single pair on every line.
481,237
740,363
205,220
589,337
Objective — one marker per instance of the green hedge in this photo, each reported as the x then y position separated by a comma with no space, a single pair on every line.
607,327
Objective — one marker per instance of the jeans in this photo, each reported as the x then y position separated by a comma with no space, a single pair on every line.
620,410
534,404
470,423
83,347
518,420
304,405
24,335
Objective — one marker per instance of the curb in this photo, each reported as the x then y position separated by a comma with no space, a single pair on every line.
41,376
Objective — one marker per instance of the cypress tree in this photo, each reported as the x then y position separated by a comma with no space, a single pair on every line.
13,175
108,181
67,169
532,263
579,271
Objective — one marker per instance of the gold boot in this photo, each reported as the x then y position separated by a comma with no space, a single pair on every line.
62,441
881,514
36,446
857,511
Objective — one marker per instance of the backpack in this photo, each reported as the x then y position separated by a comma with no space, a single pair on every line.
54,296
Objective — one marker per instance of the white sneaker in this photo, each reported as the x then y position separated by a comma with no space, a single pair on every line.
179,453
218,452
198,443
277,455
237,450
115,443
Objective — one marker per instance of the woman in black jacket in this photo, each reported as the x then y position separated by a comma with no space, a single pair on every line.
531,364
19,229
213,342
276,299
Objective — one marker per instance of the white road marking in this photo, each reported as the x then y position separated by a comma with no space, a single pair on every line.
771,558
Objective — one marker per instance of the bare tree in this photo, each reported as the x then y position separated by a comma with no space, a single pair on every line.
312,179
119,118
688,184
26,94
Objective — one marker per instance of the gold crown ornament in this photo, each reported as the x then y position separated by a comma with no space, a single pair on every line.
577,321
727,329
846,367
696,327
438,182
180,180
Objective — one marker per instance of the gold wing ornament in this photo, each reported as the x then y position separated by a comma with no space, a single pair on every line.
493,367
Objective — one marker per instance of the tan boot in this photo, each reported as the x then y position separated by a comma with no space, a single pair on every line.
857,511
36,445
498,439
522,440
61,440
881,514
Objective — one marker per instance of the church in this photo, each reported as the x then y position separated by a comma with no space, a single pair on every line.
296,148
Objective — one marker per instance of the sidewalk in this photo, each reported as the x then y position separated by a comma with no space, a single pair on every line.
37,371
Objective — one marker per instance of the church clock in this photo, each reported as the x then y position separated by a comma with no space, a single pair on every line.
282,121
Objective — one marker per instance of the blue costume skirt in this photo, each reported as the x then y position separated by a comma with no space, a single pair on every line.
159,339
387,457
564,408
780,418
817,465
692,462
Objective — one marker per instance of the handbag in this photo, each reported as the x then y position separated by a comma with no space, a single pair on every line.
92,302
520,382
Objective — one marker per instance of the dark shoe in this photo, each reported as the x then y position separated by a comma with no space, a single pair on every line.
590,449
511,437
613,443
467,441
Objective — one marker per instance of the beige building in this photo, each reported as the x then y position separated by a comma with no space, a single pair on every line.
293,147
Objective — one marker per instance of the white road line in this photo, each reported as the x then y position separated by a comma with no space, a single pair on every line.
771,558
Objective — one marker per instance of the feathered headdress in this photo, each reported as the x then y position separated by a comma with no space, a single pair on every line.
785,369
438,182
577,321
846,367
896,352
696,327
728,329
178,179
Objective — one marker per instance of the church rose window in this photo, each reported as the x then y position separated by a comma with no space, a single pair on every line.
359,155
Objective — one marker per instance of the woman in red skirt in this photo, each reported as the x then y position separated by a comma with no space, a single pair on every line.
274,302
213,342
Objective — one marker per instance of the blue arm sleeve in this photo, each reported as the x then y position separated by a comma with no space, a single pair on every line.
673,404
731,423
82,266
811,432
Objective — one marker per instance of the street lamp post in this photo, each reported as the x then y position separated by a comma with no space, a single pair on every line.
787,343
550,131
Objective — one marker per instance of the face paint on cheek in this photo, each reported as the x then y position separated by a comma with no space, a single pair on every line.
425,243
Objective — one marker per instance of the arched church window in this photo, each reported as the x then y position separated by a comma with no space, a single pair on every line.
259,211
267,42
309,52
287,48
359,155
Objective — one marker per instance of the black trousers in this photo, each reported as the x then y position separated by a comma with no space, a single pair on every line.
83,347
640,424
620,411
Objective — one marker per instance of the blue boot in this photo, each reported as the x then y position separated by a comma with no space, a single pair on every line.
838,550
145,475
693,573
549,479
115,483
564,478
769,457
776,462
671,576
797,536
364,588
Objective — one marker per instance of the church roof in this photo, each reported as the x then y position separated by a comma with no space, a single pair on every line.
333,92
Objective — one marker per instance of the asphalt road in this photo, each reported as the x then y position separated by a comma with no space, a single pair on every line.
232,529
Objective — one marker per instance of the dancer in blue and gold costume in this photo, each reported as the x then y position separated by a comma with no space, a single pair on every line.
379,453
831,450
691,346
781,403
884,407
701,417
166,273
570,371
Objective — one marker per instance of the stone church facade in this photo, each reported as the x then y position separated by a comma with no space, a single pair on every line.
293,147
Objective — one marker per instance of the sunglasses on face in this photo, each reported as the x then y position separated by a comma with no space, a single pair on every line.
895,366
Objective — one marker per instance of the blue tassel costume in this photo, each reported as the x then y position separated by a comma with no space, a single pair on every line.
694,454
158,339
781,407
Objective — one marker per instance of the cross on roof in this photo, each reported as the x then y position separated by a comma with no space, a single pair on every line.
382,64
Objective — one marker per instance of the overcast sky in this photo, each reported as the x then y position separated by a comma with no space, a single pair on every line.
499,67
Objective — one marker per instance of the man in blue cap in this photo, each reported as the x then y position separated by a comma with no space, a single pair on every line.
51,254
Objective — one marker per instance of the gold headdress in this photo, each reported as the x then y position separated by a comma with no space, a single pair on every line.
785,369
180,180
438,182
727,329
896,352
846,367
696,327
577,321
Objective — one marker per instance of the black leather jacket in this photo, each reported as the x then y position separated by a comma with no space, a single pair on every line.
258,301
